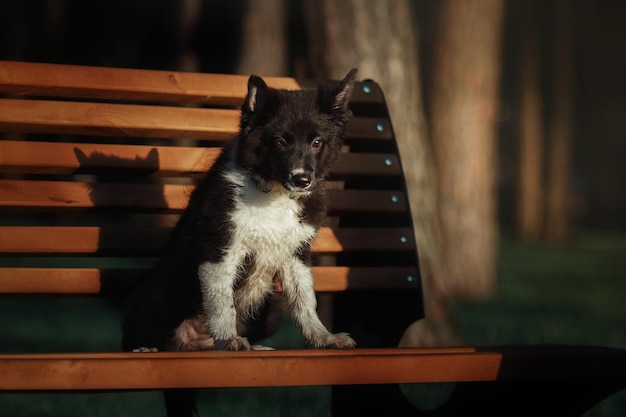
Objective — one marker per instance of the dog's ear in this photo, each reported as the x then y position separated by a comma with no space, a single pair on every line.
257,95
343,91
335,99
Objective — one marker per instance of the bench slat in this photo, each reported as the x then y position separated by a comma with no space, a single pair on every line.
62,194
85,240
95,281
23,78
80,195
144,121
104,119
37,79
87,371
35,157
279,368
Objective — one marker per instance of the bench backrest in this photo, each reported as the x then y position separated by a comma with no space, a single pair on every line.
96,164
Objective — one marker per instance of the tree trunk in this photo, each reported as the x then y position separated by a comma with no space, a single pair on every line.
560,133
603,107
264,40
464,103
380,39
530,194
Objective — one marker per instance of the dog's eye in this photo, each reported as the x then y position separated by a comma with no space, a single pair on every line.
281,143
317,143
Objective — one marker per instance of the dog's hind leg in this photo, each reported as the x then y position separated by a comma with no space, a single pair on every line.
193,334
190,335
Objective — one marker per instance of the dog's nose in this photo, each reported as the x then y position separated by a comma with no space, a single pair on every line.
301,180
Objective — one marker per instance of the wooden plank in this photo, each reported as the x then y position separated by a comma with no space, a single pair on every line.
23,78
50,281
79,240
105,119
72,81
363,239
143,121
370,128
83,195
374,164
96,281
68,158
162,370
367,201
241,369
342,278
86,240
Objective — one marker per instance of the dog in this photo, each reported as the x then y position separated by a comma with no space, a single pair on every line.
249,224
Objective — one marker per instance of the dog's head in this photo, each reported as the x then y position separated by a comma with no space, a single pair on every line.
292,138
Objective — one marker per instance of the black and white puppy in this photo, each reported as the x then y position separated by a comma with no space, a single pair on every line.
249,224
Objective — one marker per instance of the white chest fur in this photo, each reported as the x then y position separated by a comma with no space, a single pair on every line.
268,222
267,228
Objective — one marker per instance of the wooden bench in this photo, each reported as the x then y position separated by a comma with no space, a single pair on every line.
97,163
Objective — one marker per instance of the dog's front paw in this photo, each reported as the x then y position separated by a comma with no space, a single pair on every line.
236,343
340,341
144,349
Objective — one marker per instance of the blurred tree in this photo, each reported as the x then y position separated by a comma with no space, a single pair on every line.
217,35
558,208
32,30
263,48
380,38
530,193
603,140
464,103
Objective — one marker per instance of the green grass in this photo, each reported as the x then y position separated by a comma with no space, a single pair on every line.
572,294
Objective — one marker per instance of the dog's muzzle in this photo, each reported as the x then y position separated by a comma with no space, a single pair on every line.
300,183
